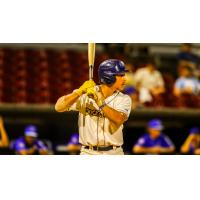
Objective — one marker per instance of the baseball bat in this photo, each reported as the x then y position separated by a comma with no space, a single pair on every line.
91,57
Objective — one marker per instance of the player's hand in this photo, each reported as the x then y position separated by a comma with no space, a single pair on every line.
85,86
91,92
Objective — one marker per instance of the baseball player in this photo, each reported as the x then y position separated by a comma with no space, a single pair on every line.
154,141
29,144
102,110
73,147
192,143
4,141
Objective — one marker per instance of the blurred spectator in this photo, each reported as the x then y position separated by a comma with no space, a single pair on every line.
186,57
149,82
130,75
4,141
154,142
186,83
73,146
186,89
192,143
29,144
134,94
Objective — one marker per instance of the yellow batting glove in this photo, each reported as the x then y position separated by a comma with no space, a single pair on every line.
85,86
91,92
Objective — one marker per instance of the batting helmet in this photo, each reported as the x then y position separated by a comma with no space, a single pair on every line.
155,124
31,130
109,69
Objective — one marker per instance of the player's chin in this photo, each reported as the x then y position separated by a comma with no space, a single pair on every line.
122,87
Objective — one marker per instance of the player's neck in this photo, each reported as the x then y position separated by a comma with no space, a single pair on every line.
107,91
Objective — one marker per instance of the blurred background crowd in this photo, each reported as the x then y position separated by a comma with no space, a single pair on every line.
163,82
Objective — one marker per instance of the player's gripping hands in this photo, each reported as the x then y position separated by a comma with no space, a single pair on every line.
86,85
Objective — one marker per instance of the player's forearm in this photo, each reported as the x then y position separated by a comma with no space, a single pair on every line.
167,150
186,146
65,102
115,116
4,137
43,152
138,149
27,152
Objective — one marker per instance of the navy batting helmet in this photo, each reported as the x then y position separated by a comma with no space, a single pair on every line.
109,69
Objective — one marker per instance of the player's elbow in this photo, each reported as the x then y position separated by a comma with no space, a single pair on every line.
59,108
184,150
120,120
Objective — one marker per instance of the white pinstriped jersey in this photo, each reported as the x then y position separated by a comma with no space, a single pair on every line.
94,128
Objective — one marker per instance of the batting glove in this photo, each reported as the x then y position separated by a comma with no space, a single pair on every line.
85,86
91,92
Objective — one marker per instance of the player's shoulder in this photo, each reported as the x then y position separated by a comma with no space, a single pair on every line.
20,140
163,136
122,97
145,136
142,139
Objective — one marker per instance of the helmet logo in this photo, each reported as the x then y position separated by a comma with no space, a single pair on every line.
117,68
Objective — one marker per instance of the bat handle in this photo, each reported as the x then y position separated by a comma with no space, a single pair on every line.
90,72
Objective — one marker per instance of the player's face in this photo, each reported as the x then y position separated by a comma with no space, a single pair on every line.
154,132
186,72
120,82
30,140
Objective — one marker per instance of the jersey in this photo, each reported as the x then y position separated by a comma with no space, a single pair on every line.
147,79
161,141
94,128
20,144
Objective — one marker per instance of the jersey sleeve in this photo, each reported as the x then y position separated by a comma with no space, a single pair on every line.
76,106
19,146
123,104
40,145
166,142
141,142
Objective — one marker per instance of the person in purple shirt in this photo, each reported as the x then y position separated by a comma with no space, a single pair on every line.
73,145
154,141
29,144
192,143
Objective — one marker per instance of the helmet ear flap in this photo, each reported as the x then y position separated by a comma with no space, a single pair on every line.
108,79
